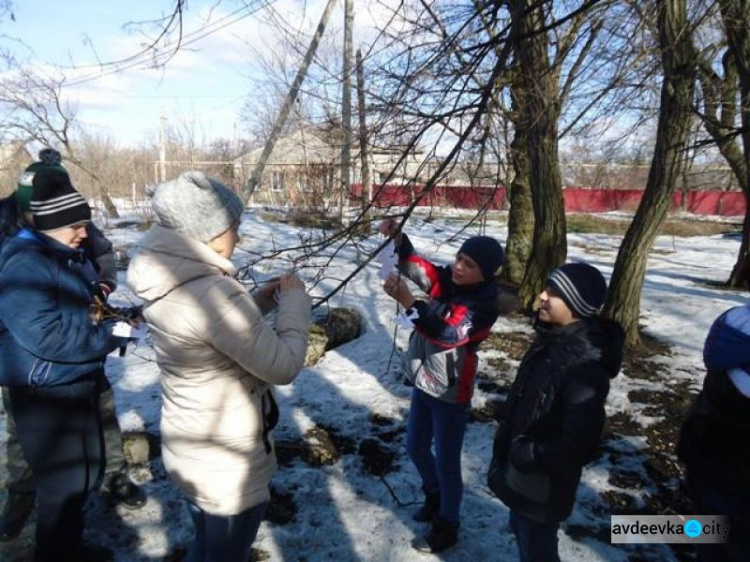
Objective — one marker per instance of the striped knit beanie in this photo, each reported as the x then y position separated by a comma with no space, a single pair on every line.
581,286
55,203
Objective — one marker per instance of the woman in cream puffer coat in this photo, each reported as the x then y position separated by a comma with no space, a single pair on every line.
218,359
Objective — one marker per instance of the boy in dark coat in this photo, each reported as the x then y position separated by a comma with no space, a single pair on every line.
441,363
551,423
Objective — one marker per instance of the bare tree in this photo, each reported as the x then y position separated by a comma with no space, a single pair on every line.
33,109
675,111
288,103
735,16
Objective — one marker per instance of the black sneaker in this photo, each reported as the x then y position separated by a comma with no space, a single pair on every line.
16,511
441,537
124,492
429,509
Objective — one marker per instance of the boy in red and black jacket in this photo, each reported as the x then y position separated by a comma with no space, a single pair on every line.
441,363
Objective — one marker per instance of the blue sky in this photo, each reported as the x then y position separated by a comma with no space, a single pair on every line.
202,88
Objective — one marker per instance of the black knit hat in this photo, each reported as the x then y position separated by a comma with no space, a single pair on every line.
581,286
55,203
487,252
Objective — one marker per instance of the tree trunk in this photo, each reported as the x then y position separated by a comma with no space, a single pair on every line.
740,276
346,108
719,120
521,214
109,205
735,15
540,113
675,111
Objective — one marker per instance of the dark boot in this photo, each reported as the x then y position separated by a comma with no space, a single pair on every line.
92,553
429,508
123,491
17,508
442,536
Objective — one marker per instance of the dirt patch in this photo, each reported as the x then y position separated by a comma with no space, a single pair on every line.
258,555
485,413
626,479
620,502
492,387
377,459
497,365
282,509
327,446
513,344
578,532
640,363
621,424
321,446
381,421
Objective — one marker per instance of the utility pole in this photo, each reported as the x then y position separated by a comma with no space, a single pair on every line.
346,108
163,149
286,107
364,144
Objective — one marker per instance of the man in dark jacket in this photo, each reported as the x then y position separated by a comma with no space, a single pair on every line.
551,423
714,442
15,215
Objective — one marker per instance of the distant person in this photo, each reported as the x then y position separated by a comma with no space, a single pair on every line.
551,423
714,442
52,354
219,360
15,215
441,364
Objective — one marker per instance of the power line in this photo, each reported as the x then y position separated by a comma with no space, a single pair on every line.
156,55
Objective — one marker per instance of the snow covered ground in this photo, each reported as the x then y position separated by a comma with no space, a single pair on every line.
349,510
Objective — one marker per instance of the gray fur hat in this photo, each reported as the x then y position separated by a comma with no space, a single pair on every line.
195,205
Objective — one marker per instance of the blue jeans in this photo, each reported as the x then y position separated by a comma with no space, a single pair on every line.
224,538
430,418
537,542
710,501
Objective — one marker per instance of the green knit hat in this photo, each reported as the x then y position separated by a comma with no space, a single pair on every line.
48,158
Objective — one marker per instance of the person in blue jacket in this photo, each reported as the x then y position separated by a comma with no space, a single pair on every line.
449,325
52,353
15,215
714,441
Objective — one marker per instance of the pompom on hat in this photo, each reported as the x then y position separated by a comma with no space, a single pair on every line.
48,158
486,252
581,286
55,203
196,206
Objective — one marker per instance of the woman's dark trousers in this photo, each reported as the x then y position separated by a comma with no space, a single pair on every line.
60,434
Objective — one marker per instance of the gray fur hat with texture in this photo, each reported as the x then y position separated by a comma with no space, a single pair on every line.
195,205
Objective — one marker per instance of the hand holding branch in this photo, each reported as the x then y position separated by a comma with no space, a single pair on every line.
397,288
389,227
289,282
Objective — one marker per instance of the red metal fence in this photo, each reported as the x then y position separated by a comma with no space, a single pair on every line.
577,199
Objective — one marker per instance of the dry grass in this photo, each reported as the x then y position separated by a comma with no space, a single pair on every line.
672,227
